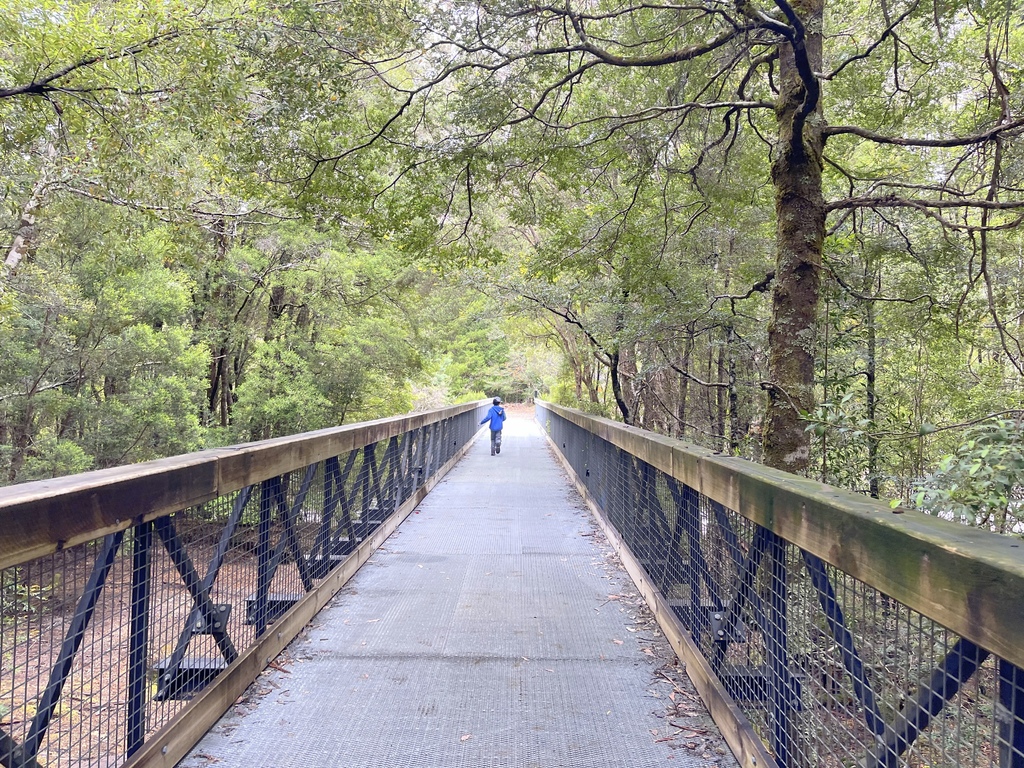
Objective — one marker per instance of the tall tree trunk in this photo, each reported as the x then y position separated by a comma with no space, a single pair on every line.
219,381
614,359
628,381
710,393
592,377
619,363
871,399
684,384
21,440
274,312
25,239
214,379
226,389
722,403
800,231
653,398
735,430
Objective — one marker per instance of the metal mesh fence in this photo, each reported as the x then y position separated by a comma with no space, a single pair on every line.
828,670
103,643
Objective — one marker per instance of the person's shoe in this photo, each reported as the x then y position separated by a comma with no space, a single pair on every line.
492,451
498,449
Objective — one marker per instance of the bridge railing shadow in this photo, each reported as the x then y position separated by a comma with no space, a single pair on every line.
821,627
136,604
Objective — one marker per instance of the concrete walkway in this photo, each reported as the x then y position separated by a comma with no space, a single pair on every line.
495,628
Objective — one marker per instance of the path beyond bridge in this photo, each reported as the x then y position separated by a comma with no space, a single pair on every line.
495,628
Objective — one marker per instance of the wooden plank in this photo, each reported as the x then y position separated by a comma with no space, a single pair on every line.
686,465
46,516
177,737
966,579
656,450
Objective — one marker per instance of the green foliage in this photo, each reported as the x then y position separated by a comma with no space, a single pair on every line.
52,457
845,435
982,482
562,393
244,230
279,397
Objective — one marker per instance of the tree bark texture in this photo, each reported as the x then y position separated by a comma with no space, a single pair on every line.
800,228
25,239
617,393
870,396
618,365
735,430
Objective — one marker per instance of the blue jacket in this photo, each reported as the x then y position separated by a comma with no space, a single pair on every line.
496,416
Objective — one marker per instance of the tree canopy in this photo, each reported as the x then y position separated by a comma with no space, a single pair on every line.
785,230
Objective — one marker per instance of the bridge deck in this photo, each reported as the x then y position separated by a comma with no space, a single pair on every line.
495,628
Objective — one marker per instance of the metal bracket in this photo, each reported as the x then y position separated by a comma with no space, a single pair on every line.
222,613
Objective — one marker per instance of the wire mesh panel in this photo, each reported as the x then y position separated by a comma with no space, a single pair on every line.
828,669
103,642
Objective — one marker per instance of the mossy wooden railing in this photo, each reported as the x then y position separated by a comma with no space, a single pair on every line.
845,631
116,649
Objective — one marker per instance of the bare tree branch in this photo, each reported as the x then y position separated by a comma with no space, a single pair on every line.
50,83
871,48
171,214
812,88
904,141
892,201
865,297
931,209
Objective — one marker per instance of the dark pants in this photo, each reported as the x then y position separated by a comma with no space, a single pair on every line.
495,441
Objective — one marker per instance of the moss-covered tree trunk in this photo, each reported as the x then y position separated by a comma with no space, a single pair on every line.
800,211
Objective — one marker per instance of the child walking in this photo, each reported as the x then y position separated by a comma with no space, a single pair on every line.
496,415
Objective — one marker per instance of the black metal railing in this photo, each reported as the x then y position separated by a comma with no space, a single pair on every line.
823,628
126,594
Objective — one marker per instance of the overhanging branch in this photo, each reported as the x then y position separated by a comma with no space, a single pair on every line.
906,141
49,83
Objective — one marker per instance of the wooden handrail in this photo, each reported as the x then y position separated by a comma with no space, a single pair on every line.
966,579
45,516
